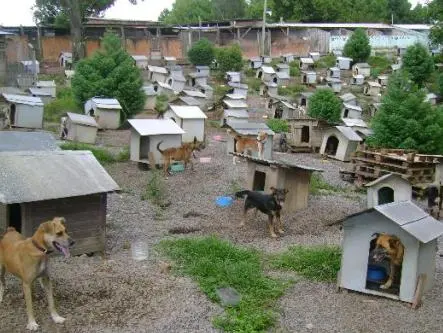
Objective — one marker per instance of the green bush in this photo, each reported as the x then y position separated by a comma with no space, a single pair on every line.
418,62
155,189
254,84
292,90
325,105
379,63
294,68
161,104
101,154
229,58
326,61
64,102
357,46
278,125
202,53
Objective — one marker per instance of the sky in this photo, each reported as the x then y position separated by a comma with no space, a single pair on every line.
18,12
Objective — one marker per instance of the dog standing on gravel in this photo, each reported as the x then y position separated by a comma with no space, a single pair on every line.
269,204
27,259
244,144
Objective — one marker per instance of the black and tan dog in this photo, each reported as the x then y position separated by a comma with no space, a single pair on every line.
269,204
388,247
183,153
27,259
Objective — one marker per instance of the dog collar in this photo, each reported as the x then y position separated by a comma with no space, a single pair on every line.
45,251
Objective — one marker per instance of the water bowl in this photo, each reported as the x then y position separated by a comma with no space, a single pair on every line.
224,201
177,167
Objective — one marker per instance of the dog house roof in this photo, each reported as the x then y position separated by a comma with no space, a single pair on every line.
373,84
178,76
22,99
139,57
354,122
45,175
352,107
283,75
156,69
194,93
362,65
307,60
236,96
347,97
188,112
236,113
348,133
40,92
238,85
188,100
267,69
146,127
385,177
82,119
249,128
409,217
45,84
26,141
235,104
105,103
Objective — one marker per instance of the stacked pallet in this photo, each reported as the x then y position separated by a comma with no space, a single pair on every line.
370,164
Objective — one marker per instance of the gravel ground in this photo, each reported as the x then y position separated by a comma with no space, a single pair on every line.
118,294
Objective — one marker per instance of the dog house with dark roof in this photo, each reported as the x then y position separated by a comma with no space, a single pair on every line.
39,185
388,188
416,230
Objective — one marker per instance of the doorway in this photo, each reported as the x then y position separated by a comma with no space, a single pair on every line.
15,216
144,148
259,181
12,114
305,137
385,195
331,145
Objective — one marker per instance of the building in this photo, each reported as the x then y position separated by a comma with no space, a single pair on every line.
147,133
288,58
343,63
339,143
308,77
191,119
388,188
48,86
164,88
283,110
24,111
43,94
235,104
151,97
306,133
283,78
431,98
81,128
304,99
141,61
306,64
36,186
361,68
106,111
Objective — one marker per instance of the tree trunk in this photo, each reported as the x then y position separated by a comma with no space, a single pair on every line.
76,23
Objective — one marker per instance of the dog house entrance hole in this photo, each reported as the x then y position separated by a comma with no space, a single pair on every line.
303,102
278,112
144,147
260,74
12,115
385,195
259,181
378,270
274,80
346,113
15,216
305,134
331,145
170,82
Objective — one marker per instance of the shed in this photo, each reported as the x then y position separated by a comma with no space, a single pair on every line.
163,88
251,129
48,86
283,110
306,63
235,104
267,74
383,80
361,68
358,79
372,88
81,128
234,115
339,143
351,111
334,72
233,76
306,133
30,66
308,77
343,63
147,133
36,186
65,59
106,111
388,188
268,88
157,74
190,118
196,78
417,232
431,98
283,78
207,90
205,70
177,81
24,111
304,99
151,97
288,58
27,141
44,95
239,89
255,62
141,61
334,83
264,174
349,98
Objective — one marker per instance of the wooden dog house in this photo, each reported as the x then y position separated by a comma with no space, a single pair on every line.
388,188
24,111
37,186
416,230
263,174
81,128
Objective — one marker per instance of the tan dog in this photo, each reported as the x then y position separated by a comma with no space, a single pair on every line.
246,144
27,259
182,153
390,248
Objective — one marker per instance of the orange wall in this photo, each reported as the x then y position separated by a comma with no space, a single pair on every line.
138,46
53,46
92,45
171,47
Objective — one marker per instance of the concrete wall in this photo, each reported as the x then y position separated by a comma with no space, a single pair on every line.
108,119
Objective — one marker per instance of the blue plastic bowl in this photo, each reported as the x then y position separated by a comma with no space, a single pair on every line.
224,201
376,273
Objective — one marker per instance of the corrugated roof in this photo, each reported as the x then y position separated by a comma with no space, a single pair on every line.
307,60
267,69
26,141
22,99
236,113
82,119
188,112
45,84
283,75
249,128
146,127
46,175
188,100
235,104
106,103
354,122
194,93
236,96
40,92
383,178
156,69
348,133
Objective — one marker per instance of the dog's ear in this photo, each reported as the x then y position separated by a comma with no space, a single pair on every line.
62,220
48,227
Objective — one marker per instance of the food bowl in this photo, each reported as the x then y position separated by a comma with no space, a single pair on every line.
224,201
205,160
376,273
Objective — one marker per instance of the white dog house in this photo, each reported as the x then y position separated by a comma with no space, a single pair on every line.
207,90
177,81
268,89
106,111
306,64
267,74
170,61
288,58
196,78
417,232
235,104
334,83
349,98
147,133
308,77
351,111
361,68
358,80
431,98
141,61
48,86
157,74
205,70
251,130
315,55
388,188
383,80
340,142
233,76
45,95
65,59
234,115
151,97
283,110
372,88
190,118
240,89
304,99
283,78
164,88
343,63
81,128
334,72
283,68
255,62
24,111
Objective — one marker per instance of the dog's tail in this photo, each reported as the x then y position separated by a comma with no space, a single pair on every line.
158,147
241,194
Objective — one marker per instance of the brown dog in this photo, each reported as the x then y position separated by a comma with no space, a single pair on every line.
246,144
27,259
182,153
390,248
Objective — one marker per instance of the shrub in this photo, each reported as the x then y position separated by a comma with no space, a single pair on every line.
254,84
229,58
326,61
278,125
294,68
64,102
155,189
357,46
323,104
379,63
292,90
202,53
418,62
161,105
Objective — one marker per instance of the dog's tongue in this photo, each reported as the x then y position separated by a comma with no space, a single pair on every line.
65,251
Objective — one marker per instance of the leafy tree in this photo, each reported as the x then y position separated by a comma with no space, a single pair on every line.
161,105
74,12
418,62
405,120
229,58
254,9
436,14
323,104
189,11
399,9
228,9
110,72
202,53
357,46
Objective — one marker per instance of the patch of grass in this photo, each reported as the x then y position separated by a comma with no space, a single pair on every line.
220,91
64,102
250,72
318,185
254,84
123,155
379,64
215,263
58,78
294,68
326,61
214,123
278,125
292,90
101,154
318,263
155,190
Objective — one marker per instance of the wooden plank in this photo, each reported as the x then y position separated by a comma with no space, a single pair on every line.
419,291
152,163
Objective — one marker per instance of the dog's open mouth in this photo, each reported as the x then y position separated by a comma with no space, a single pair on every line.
62,249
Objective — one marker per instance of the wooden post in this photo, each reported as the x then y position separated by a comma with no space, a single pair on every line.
419,291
